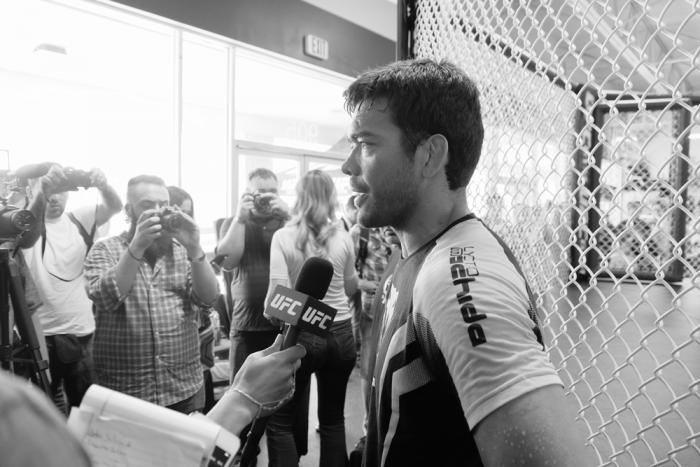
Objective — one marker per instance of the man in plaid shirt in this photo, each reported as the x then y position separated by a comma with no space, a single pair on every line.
149,286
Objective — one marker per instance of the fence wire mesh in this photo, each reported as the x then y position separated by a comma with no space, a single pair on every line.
591,172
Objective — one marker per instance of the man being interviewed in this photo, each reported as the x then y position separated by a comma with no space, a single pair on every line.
460,377
148,286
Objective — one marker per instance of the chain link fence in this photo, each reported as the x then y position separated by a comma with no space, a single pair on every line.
591,172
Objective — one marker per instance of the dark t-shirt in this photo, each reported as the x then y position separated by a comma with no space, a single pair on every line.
251,277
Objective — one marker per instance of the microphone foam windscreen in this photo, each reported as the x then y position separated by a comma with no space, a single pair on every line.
314,278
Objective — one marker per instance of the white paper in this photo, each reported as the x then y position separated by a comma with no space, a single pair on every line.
116,443
120,430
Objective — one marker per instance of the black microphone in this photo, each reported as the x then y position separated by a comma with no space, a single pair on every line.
301,309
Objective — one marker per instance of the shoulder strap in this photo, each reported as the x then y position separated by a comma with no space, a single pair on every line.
88,238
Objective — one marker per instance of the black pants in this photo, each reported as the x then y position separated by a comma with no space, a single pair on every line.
70,365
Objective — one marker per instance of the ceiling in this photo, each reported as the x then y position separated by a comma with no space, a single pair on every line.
378,16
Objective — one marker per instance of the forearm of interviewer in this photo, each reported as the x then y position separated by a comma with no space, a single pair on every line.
233,412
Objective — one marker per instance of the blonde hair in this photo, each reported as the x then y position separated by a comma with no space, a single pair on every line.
314,213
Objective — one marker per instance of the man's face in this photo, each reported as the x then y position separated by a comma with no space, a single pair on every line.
56,204
145,196
266,187
381,172
258,185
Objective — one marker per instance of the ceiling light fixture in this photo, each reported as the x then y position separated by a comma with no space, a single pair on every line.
53,48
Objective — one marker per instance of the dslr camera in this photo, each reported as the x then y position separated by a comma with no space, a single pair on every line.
75,178
261,203
170,219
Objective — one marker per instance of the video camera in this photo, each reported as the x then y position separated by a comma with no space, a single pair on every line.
15,221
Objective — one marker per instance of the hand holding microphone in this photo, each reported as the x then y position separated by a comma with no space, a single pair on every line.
264,383
266,378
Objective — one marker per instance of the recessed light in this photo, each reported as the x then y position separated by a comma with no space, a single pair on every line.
53,48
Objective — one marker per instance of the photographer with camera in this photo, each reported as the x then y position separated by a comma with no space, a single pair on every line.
55,262
245,249
149,286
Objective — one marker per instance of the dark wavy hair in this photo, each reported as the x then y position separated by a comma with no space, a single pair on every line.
178,196
425,98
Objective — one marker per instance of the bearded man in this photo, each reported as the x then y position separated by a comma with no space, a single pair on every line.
149,286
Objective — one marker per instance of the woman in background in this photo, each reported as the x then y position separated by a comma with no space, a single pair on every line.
315,231
183,200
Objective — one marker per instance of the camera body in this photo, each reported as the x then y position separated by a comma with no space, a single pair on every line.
75,178
261,203
170,219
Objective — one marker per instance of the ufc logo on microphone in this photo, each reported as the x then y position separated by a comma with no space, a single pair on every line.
313,316
283,303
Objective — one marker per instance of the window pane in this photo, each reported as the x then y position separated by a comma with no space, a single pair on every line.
204,95
285,105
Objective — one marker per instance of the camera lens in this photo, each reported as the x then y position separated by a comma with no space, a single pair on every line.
171,221
261,204
14,221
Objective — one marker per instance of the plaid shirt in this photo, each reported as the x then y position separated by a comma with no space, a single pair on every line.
146,342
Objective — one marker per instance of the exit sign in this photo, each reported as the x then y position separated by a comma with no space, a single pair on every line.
316,47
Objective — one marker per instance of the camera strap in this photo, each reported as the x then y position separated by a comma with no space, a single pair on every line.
88,238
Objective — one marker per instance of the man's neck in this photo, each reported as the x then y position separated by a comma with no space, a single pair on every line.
52,220
430,219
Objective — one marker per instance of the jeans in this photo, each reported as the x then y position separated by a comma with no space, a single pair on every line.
70,365
194,403
332,359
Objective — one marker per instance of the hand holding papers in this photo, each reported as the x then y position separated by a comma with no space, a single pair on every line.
116,430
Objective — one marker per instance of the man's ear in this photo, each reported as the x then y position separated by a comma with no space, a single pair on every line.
435,152
128,209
